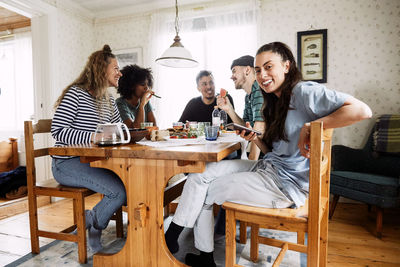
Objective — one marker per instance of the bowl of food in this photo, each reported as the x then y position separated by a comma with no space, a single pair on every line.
137,134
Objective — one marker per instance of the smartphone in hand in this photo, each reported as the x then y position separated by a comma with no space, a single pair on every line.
235,126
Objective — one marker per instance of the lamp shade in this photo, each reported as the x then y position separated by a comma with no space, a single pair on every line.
177,56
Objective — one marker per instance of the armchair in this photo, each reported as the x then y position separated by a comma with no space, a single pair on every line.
365,176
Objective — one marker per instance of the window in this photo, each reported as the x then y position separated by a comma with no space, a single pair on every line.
215,41
16,82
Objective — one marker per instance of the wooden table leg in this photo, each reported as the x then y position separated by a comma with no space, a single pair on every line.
144,180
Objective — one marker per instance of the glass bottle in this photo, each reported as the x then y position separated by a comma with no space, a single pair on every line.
216,117
224,118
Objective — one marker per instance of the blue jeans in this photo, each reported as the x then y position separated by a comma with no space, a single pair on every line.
71,172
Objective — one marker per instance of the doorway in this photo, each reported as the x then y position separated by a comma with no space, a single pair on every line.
16,79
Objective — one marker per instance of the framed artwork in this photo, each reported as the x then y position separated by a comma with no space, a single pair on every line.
312,55
129,56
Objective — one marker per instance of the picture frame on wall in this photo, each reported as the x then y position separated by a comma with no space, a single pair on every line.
312,55
129,56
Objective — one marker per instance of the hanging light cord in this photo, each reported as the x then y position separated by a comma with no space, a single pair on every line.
176,18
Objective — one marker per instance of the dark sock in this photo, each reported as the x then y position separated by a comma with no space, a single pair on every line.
205,259
171,237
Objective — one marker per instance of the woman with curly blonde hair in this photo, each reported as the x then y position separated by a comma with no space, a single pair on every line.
83,105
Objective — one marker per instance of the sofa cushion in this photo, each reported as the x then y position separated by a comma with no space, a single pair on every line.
368,198
368,183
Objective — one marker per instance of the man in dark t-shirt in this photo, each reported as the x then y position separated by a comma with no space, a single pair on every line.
200,108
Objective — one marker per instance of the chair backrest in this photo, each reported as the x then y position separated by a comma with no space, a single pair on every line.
8,155
30,129
320,166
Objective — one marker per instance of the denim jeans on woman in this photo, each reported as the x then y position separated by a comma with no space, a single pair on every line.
71,172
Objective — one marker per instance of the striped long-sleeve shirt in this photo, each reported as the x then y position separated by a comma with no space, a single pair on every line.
78,115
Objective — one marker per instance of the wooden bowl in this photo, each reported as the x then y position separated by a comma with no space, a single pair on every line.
137,134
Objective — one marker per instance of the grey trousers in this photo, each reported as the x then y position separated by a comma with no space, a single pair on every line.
228,180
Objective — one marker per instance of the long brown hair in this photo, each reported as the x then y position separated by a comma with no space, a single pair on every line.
93,77
275,108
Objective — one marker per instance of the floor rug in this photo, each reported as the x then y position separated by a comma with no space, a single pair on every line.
62,253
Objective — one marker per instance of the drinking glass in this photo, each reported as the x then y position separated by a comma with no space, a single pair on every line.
177,125
211,132
193,125
200,129
145,125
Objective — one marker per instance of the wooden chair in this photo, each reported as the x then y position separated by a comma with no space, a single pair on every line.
53,189
8,155
171,192
311,218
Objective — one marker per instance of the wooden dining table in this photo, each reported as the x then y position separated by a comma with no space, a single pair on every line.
145,172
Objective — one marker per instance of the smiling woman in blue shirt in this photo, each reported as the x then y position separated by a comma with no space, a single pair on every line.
280,179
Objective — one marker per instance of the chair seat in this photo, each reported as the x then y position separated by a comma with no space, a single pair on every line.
294,216
368,183
53,185
279,218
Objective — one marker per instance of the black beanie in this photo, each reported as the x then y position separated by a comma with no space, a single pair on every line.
243,61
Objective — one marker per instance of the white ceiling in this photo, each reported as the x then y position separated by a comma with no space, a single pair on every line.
96,6
104,8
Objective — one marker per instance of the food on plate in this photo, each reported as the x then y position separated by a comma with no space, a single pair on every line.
179,132
182,135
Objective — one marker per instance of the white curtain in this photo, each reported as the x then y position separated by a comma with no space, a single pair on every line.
16,82
24,76
215,36
7,85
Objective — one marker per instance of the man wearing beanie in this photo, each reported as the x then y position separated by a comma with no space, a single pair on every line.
243,77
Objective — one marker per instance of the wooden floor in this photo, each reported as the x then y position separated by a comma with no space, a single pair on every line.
350,240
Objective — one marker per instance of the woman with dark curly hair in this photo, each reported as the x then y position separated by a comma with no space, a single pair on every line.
135,90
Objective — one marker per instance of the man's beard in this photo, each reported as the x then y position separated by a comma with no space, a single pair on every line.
238,85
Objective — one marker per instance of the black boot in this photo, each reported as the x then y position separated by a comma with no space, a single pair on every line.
205,259
171,237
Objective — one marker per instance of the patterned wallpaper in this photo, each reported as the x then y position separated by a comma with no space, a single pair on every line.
129,32
363,46
75,39
363,49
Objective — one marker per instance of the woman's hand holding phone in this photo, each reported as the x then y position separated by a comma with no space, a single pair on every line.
250,136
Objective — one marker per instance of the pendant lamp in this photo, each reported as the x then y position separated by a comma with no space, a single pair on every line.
177,56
